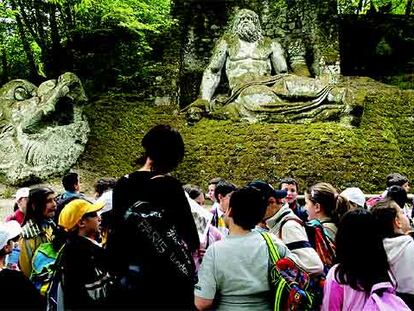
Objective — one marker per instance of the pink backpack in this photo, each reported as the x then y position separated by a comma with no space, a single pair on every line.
383,298
371,202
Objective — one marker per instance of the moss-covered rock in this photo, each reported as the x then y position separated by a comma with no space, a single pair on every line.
240,152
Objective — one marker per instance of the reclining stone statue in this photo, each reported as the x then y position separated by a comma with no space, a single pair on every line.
42,130
256,95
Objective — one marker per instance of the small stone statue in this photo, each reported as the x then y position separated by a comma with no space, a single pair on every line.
249,60
42,130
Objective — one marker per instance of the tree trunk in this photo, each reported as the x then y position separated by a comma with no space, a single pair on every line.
37,6
408,7
34,75
55,67
5,67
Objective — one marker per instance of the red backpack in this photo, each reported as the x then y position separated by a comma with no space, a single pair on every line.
319,239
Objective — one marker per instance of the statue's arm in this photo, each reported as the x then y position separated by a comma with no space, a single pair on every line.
212,74
277,58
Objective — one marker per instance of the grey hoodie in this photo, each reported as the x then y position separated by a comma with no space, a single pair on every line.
400,252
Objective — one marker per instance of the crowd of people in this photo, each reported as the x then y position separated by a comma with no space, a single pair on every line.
148,242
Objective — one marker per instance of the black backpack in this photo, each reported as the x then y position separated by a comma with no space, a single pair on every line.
161,247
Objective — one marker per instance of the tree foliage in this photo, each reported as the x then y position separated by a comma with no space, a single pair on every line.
37,32
375,6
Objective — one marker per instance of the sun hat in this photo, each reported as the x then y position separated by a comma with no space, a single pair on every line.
74,211
354,195
8,231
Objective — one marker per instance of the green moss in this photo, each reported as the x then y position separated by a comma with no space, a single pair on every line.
241,152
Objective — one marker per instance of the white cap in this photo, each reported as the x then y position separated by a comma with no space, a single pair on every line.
22,193
354,195
8,231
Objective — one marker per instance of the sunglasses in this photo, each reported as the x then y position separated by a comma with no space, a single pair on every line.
90,215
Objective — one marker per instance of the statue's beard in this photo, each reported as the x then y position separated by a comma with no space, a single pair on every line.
249,32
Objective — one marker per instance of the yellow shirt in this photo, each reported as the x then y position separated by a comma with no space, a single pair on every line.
32,237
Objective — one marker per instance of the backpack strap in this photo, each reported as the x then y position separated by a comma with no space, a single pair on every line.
274,257
298,244
328,234
214,219
273,252
285,221
285,213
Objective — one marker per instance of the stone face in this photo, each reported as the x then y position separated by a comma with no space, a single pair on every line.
43,130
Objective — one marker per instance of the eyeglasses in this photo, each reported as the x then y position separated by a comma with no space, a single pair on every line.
90,215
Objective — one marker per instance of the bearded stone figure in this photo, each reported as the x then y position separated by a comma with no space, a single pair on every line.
42,130
248,59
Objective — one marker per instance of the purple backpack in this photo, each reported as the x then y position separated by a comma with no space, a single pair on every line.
383,298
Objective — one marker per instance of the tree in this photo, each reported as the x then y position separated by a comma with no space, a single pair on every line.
380,6
53,23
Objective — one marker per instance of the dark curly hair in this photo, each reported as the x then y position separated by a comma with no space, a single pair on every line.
37,204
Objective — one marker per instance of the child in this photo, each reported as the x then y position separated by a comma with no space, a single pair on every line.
16,291
393,226
349,282
84,266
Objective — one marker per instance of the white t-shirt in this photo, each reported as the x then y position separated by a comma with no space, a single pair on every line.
234,271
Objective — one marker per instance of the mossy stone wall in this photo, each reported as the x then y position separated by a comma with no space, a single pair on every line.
241,152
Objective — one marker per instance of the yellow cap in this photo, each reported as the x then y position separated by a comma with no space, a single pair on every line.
74,211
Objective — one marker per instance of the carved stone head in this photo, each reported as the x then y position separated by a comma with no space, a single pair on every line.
246,25
42,130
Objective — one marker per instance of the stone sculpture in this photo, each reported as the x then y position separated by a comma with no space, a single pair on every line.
249,59
42,130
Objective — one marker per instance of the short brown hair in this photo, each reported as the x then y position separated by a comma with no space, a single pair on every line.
385,213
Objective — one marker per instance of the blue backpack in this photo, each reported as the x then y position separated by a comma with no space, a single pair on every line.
43,266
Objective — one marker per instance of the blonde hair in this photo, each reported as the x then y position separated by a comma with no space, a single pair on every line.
333,204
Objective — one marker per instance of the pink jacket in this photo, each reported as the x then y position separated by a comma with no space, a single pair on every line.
341,297
213,235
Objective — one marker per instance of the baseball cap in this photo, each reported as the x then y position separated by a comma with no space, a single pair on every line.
8,231
22,193
267,190
355,195
74,211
